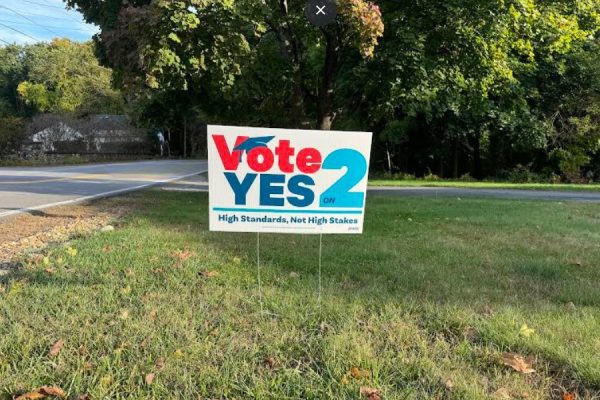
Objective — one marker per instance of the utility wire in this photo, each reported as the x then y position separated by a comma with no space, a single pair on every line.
30,20
47,26
4,41
18,31
42,4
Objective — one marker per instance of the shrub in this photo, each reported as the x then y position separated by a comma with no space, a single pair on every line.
12,135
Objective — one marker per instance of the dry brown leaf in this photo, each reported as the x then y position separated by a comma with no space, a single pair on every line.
54,391
370,393
31,396
56,348
270,362
570,396
518,363
449,384
181,255
43,392
150,378
160,363
501,394
85,397
358,373
49,271
153,314
209,274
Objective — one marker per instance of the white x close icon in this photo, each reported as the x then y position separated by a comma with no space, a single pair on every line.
321,10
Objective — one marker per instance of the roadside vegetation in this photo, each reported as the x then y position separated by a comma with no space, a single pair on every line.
484,88
449,298
586,187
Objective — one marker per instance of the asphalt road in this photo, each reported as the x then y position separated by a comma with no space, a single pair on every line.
32,189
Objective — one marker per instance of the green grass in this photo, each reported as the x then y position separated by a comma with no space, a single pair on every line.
594,187
435,290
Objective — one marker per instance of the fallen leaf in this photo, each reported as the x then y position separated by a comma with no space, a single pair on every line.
358,373
85,397
209,274
181,255
270,362
150,378
31,396
323,328
178,353
570,396
126,290
160,363
49,271
71,252
106,380
124,314
43,392
294,275
449,384
526,331
517,362
52,391
56,348
370,393
153,314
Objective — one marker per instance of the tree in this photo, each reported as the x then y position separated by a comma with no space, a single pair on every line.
207,46
65,77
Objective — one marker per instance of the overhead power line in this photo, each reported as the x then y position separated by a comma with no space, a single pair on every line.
20,32
30,20
47,26
42,4
4,41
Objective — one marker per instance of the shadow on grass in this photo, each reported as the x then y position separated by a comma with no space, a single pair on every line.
464,252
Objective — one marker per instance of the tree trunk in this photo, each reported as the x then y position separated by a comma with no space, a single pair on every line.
184,137
325,111
477,166
455,166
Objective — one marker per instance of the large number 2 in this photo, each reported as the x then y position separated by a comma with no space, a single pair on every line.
339,195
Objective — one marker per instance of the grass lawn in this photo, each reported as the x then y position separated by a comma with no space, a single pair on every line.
595,187
422,306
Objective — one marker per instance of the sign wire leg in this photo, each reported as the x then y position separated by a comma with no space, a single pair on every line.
320,265
258,272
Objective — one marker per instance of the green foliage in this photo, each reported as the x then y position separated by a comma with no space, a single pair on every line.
65,77
11,134
454,87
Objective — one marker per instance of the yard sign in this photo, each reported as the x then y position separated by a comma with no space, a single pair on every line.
287,181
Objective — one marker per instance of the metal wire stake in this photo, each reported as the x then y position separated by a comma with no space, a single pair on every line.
258,272
320,264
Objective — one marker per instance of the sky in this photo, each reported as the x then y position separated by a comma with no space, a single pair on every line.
31,21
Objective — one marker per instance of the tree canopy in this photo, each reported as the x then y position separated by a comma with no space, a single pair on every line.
477,87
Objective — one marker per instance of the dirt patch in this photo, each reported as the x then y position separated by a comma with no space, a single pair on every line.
35,230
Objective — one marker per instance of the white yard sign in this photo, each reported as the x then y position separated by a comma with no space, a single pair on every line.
287,181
